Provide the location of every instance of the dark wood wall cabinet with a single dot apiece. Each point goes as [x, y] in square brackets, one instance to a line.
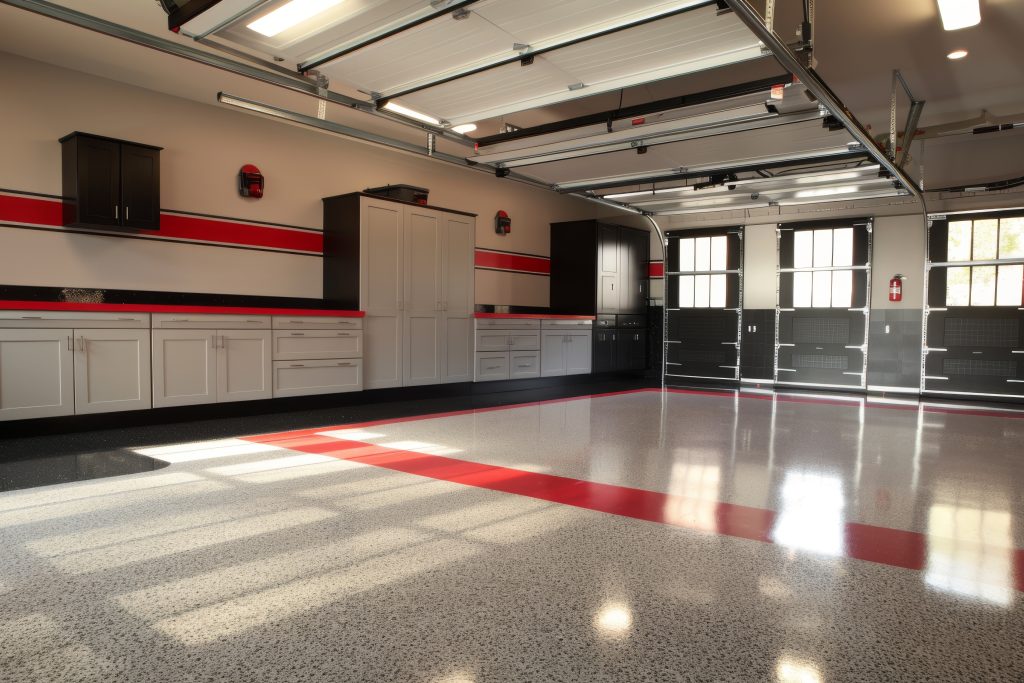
[600, 269]
[109, 183]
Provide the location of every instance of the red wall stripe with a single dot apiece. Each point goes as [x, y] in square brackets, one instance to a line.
[656, 269]
[501, 261]
[47, 213]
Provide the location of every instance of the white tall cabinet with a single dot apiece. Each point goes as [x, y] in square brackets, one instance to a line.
[415, 283]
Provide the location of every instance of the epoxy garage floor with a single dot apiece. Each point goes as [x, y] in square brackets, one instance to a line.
[636, 536]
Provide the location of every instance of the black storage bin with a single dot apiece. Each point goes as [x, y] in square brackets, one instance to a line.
[404, 193]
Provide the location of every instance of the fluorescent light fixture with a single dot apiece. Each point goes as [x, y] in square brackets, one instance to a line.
[411, 113]
[290, 14]
[624, 195]
[827, 191]
[464, 128]
[958, 14]
[815, 179]
[957, 54]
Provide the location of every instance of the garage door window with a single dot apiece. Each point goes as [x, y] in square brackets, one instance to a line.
[700, 286]
[989, 241]
[819, 279]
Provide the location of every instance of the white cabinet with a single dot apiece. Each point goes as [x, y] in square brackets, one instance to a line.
[208, 366]
[321, 356]
[112, 370]
[511, 352]
[565, 352]
[36, 373]
[97, 363]
[416, 286]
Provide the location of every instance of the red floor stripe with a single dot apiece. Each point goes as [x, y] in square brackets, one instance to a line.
[881, 545]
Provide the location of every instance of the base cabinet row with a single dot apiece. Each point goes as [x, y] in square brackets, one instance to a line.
[519, 348]
[210, 366]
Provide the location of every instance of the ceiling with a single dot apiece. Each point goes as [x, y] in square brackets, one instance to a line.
[857, 45]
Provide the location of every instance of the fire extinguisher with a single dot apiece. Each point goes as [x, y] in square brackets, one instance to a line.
[896, 288]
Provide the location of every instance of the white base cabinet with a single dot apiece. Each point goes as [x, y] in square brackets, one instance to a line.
[323, 357]
[36, 374]
[303, 378]
[112, 371]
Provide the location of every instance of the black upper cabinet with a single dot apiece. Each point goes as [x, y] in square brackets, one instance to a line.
[110, 183]
[598, 268]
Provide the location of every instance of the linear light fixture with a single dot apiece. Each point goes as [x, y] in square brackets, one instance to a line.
[411, 113]
[289, 15]
[464, 128]
[958, 14]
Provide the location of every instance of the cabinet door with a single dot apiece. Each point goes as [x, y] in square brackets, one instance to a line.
[458, 348]
[457, 274]
[491, 366]
[552, 353]
[140, 187]
[523, 364]
[243, 365]
[631, 350]
[608, 269]
[36, 374]
[99, 182]
[633, 250]
[380, 291]
[577, 353]
[184, 367]
[112, 370]
[423, 295]
[604, 351]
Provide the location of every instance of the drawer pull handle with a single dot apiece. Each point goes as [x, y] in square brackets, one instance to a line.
[253, 321]
[31, 317]
[298, 365]
[346, 365]
[298, 334]
[344, 334]
[493, 367]
[524, 365]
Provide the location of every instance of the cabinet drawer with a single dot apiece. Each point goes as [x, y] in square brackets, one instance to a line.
[567, 324]
[317, 377]
[524, 341]
[490, 366]
[210, 322]
[316, 344]
[508, 323]
[312, 322]
[75, 319]
[524, 364]
[492, 340]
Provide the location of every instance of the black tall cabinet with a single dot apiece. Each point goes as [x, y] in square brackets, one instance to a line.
[600, 269]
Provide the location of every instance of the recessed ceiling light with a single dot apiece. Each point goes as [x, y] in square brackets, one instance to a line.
[290, 14]
[958, 14]
[957, 54]
[411, 113]
[464, 128]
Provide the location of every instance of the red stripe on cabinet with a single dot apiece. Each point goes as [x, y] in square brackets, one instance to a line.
[504, 261]
[656, 269]
[36, 211]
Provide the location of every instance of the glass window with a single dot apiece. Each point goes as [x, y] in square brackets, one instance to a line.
[702, 253]
[685, 291]
[986, 240]
[802, 290]
[959, 241]
[822, 248]
[1011, 237]
[702, 291]
[686, 255]
[718, 288]
[983, 286]
[719, 246]
[842, 288]
[803, 248]
[842, 247]
[958, 287]
[1010, 286]
[821, 289]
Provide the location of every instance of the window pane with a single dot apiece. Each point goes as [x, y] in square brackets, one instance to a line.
[842, 247]
[822, 294]
[842, 288]
[718, 291]
[822, 248]
[983, 284]
[719, 245]
[1010, 291]
[801, 290]
[702, 254]
[958, 287]
[685, 291]
[803, 248]
[985, 239]
[686, 255]
[1011, 237]
[959, 241]
[702, 291]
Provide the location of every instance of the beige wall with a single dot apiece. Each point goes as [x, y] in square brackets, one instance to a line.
[760, 275]
[898, 246]
[204, 146]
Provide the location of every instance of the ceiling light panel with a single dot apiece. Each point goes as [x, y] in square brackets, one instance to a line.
[289, 15]
[958, 14]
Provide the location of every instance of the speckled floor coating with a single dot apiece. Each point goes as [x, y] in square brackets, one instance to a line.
[243, 561]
